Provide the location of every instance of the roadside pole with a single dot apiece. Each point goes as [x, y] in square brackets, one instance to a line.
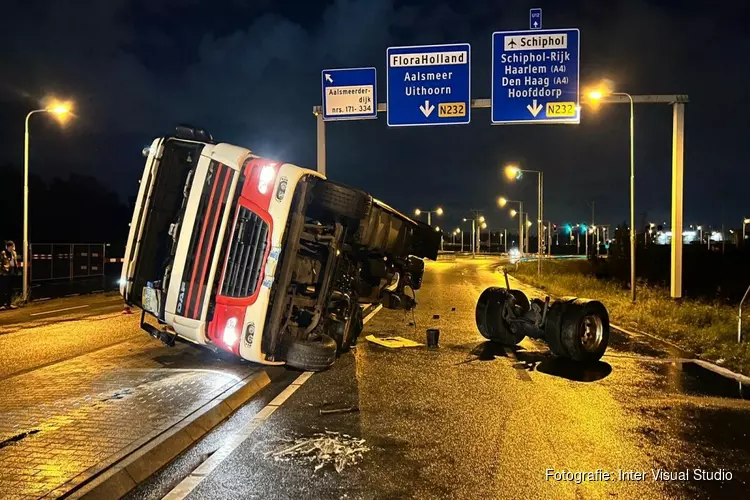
[678, 142]
[321, 142]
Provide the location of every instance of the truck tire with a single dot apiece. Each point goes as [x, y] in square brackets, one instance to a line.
[309, 355]
[342, 200]
[489, 318]
[585, 330]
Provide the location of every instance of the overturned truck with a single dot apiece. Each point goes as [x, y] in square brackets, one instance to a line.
[574, 328]
[261, 258]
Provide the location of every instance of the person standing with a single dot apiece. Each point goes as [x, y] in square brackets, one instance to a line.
[8, 271]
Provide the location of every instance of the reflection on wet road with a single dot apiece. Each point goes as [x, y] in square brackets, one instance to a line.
[471, 419]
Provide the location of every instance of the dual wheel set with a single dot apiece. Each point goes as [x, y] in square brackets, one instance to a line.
[574, 328]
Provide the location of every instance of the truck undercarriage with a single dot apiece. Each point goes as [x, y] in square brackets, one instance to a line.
[342, 249]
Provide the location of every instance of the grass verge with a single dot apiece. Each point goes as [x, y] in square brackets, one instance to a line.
[705, 328]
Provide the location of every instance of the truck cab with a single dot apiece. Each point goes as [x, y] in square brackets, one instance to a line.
[264, 259]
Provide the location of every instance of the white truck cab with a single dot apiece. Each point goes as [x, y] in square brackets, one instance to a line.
[262, 258]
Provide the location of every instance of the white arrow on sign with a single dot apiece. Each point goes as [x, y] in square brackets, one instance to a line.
[535, 109]
[427, 108]
[536, 24]
[328, 78]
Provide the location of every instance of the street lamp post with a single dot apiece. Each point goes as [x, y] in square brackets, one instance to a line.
[59, 109]
[745, 222]
[437, 211]
[513, 172]
[502, 201]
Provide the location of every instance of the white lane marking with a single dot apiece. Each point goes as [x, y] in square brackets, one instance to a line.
[231, 443]
[59, 310]
[373, 313]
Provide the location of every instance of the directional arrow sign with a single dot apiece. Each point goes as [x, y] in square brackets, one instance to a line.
[535, 76]
[535, 19]
[429, 85]
[349, 94]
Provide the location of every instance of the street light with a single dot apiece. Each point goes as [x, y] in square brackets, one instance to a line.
[596, 95]
[61, 110]
[437, 211]
[502, 201]
[514, 172]
[745, 222]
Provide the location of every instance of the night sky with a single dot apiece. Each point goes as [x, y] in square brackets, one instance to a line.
[249, 72]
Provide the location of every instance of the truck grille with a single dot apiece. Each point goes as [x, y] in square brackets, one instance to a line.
[245, 261]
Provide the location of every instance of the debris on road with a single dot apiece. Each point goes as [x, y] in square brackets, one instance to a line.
[435, 316]
[392, 342]
[433, 337]
[321, 449]
[350, 409]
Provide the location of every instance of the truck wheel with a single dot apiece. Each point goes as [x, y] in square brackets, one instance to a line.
[585, 330]
[342, 200]
[489, 312]
[309, 355]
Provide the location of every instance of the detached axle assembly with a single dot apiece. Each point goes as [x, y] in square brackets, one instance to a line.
[573, 328]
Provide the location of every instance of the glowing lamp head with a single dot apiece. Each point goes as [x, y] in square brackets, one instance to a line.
[528, 223]
[502, 201]
[513, 212]
[596, 95]
[484, 225]
[512, 172]
[439, 211]
[417, 212]
[230, 335]
[746, 221]
[481, 218]
[437, 229]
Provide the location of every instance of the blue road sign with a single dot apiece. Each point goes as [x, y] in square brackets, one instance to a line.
[535, 19]
[429, 85]
[535, 76]
[349, 94]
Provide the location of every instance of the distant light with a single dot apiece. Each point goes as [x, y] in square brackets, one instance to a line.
[502, 201]
[513, 212]
[596, 95]
[484, 225]
[746, 221]
[512, 172]
[439, 211]
[417, 212]
[122, 281]
[481, 218]
[437, 229]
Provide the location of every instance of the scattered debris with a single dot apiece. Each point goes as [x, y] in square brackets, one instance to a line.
[321, 449]
[453, 309]
[350, 409]
[433, 337]
[411, 323]
[392, 342]
[435, 316]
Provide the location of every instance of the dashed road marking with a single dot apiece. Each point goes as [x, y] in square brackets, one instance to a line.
[59, 310]
[187, 485]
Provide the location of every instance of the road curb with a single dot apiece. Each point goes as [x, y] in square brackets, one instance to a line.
[708, 365]
[118, 479]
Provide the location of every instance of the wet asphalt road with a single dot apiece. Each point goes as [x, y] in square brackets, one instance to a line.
[472, 420]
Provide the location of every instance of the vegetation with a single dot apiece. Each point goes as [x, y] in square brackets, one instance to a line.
[708, 329]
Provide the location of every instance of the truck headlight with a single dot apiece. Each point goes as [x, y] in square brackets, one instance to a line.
[267, 173]
[230, 332]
